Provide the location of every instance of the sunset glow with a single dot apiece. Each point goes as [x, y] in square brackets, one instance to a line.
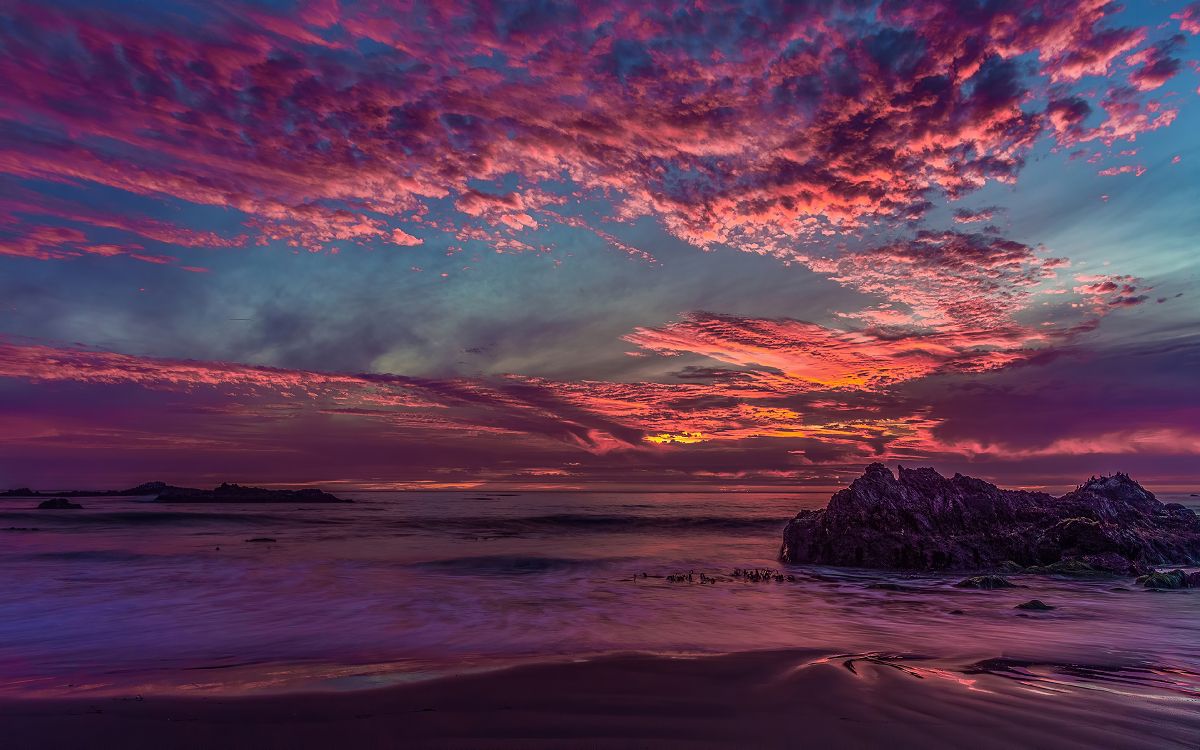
[452, 244]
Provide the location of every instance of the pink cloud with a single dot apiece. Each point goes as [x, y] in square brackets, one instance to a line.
[401, 237]
[1189, 18]
[755, 138]
[60, 243]
[968, 216]
[1157, 64]
[1111, 290]
[1137, 170]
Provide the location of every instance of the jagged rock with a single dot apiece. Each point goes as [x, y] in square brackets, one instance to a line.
[1174, 579]
[148, 488]
[986, 582]
[59, 503]
[1035, 605]
[922, 520]
[1077, 568]
[236, 493]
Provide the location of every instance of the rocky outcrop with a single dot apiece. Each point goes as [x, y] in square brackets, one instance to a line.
[142, 490]
[166, 493]
[1034, 605]
[236, 493]
[59, 503]
[1173, 579]
[986, 582]
[920, 520]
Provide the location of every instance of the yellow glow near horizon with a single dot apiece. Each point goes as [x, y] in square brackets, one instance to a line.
[679, 437]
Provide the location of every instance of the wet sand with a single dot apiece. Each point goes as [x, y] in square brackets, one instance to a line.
[761, 699]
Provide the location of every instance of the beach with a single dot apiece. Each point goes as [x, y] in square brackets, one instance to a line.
[761, 699]
[549, 620]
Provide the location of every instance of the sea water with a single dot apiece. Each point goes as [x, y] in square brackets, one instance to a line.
[127, 595]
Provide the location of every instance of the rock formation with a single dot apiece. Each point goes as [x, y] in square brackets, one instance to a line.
[921, 520]
[166, 493]
[1174, 579]
[142, 490]
[236, 493]
[59, 503]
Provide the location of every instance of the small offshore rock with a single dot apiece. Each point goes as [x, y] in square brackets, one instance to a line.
[59, 503]
[1035, 605]
[1175, 579]
[261, 539]
[986, 582]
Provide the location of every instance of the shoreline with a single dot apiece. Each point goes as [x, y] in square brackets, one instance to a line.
[792, 698]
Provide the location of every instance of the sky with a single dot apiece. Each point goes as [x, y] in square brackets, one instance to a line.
[372, 244]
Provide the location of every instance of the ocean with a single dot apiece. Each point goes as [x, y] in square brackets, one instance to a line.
[127, 596]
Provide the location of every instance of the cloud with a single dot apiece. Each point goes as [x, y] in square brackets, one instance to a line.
[462, 406]
[809, 355]
[970, 216]
[1158, 64]
[949, 281]
[1189, 18]
[401, 237]
[1137, 170]
[1111, 290]
[1133, 400]
[754, 126]
[774, 128]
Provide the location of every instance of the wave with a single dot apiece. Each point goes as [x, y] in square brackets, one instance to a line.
[470, 527]
[511, 564]
[116, 556]
[44, 519]
[584, 523]
[1159, 677]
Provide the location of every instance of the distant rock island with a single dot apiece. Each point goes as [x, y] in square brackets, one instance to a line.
[921, 520]
[235, 493]
[165, 493]
[59, 503]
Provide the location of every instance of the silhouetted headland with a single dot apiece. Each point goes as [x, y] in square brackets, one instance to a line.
[921, 520]
[165, 493]
[59, 503]
[235, 493]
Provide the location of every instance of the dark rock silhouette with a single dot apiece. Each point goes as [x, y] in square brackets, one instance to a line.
[236, 493]
[166, 493]
[59, 503]
[924, 521]
[986, 582]
[1035, 605]
[147, 488]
